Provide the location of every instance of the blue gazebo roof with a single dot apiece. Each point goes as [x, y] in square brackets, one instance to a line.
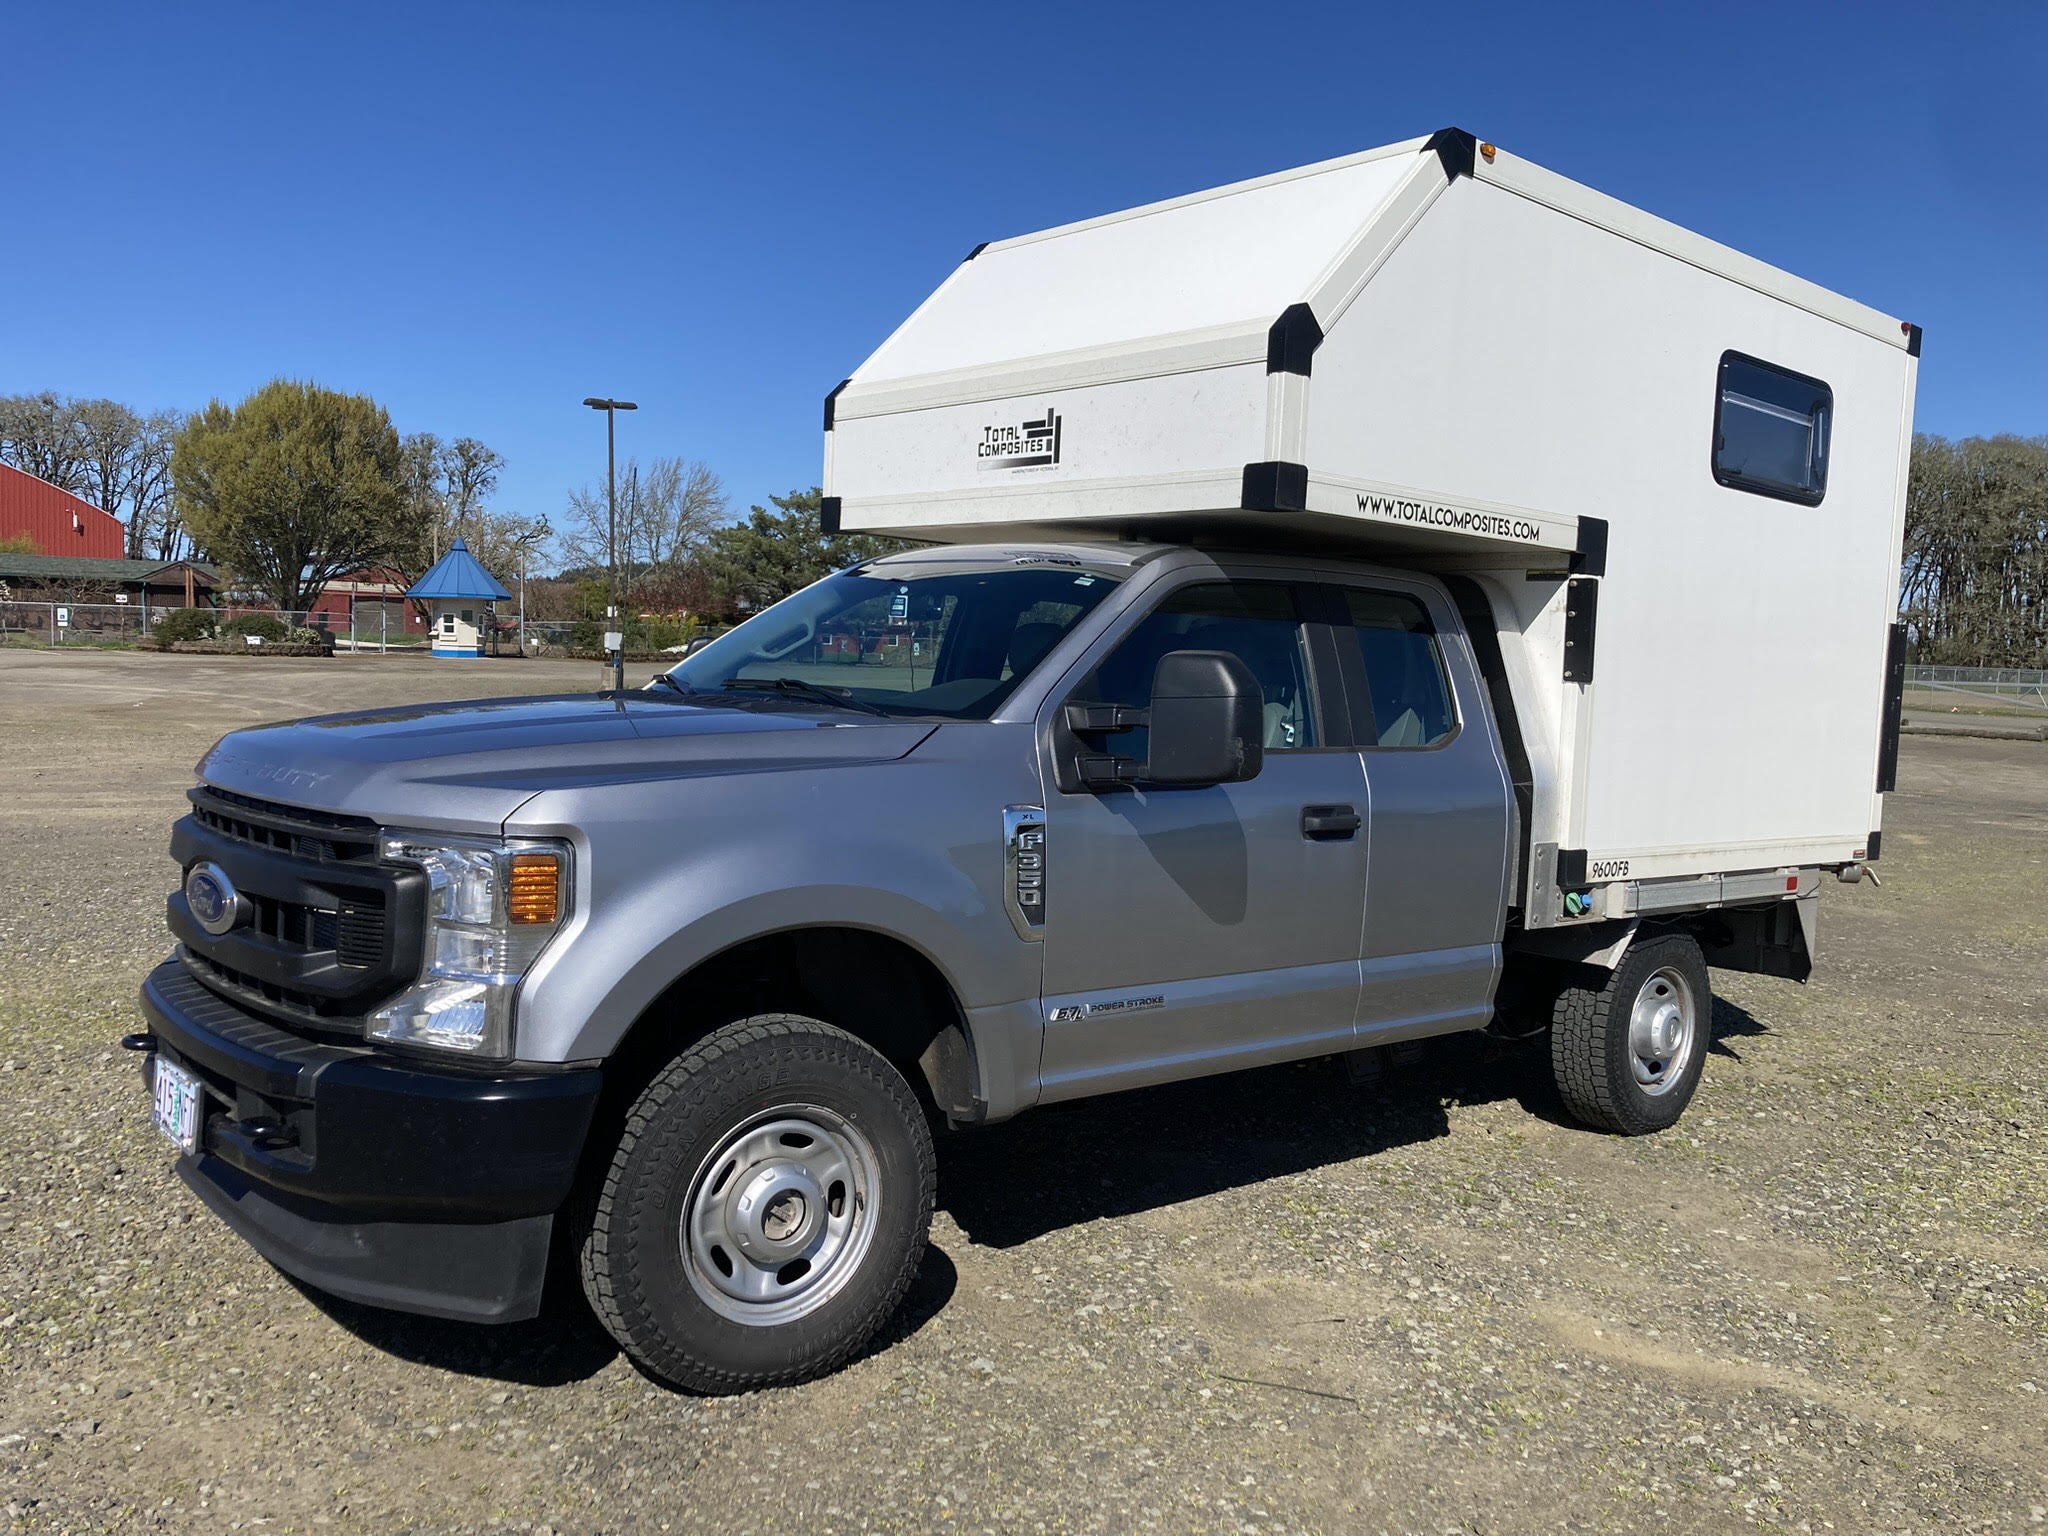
[457, 576]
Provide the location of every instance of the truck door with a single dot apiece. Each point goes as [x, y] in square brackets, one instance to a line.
[1205, 929]
[1439, 825]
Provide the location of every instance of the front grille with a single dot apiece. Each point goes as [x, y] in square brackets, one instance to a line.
[323, 836]
[353, 929]
[331, 931]
[252, 989]
[355, 933]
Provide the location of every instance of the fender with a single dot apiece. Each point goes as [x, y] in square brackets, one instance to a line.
[908, 849]
[613, 989]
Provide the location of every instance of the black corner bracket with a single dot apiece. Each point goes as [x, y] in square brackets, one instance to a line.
[1571, 868]
[1291, 343]
[1892, 715]
[1581, 628]
[1912, 339]
[829, 399]
[1457, 149]
[1275, 486]
[1871, 847]
[977, 251]
[828, 516]
[1590, 559]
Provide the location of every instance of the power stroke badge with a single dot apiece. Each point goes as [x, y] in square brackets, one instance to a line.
[1031, 444]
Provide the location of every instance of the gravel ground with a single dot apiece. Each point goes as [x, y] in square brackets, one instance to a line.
[1273, 1303]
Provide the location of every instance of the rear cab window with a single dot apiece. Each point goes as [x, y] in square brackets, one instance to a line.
[1404, 671]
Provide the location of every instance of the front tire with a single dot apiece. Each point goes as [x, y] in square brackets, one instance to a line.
[766, 1208]
[1628, 1050]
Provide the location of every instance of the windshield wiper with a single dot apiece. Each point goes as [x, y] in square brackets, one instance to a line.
[666, 677]
[797, 686]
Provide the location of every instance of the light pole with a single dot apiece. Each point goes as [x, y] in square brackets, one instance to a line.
[531, 536]
[611, 408]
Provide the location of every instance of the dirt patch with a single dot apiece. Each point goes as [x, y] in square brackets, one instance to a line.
[1274, 1303]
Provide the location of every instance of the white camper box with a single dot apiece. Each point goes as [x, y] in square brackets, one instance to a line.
[1438, 356]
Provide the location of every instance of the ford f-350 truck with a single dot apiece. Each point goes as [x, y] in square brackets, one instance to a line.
[1409, 595]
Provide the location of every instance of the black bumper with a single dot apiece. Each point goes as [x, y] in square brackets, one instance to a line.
[381, 1179]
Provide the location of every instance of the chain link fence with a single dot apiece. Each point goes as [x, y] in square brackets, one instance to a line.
[370, 627]
[2024, 687]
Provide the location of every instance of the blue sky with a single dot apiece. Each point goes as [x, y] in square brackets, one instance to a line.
[480, 215]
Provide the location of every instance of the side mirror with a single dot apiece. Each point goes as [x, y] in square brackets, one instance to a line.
[1208, 721]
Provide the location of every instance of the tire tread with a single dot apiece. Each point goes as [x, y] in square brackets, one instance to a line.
[1584, 1057]
[609, 1244]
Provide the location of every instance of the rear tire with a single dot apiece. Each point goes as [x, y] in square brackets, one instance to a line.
[1628, 1049]
[766, 1208]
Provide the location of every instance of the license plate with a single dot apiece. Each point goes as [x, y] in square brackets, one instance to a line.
[180, 1105]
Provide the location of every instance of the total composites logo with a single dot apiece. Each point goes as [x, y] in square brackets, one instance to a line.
[1491, 525]
[1021, 445]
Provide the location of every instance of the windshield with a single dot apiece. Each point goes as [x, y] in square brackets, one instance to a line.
[950, 639]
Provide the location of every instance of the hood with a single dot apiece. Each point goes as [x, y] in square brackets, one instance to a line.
[468, 766]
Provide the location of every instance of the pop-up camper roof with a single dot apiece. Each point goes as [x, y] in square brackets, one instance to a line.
[1385, 347]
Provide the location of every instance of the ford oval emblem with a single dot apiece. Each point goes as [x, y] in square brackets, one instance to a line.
[210, 895]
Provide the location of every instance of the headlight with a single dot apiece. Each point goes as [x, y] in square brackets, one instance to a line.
[491, 909]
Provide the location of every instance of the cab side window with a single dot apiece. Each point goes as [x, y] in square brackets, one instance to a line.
[1404, 670]
[1258, 622]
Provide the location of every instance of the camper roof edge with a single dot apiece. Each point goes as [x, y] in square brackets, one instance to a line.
[1458, 153]
[1231, 189]
[1511, 173]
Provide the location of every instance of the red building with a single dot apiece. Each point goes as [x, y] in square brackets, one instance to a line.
[373, 598]
[56, 522]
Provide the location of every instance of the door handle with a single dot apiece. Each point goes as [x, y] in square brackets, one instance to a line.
[1328, 823]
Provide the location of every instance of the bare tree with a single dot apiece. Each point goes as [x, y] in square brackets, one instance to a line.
[675, 506]
[1974, 588]
[446, 487]
[106, 432]
[152, 508]
[584, 539]
[469, 474]
[40, 435]
[104, 452]
[426, 501]
[502, 541]
[666, 511]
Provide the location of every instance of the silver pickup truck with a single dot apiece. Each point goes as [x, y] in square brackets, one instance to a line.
[672, 986]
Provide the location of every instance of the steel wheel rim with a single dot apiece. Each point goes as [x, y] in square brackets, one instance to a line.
[780, 1215]
[1663, 1030]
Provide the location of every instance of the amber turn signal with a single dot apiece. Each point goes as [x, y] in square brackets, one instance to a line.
[535, 894]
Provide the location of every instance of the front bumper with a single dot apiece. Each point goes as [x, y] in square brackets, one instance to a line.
[380, 1178]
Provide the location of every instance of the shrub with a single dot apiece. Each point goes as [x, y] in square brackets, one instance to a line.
[183, 624]
[270, 631]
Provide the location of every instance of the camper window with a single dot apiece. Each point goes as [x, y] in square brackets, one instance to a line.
[1771, 430]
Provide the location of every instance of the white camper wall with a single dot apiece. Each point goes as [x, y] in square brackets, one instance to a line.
[1510, 352]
